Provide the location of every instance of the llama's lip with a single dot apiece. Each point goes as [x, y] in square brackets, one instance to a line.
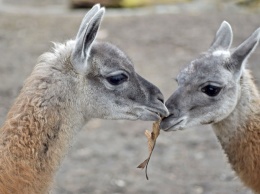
[158, 112]
[153, 114]
[170, 123]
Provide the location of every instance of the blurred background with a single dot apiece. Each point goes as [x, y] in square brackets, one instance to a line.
[160, 36]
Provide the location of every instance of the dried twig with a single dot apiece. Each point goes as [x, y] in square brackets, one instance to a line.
[151, 136]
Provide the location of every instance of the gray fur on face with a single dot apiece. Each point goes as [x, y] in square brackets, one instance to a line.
[219, 68]
[93, 64]
[131, 99]
[81, 70]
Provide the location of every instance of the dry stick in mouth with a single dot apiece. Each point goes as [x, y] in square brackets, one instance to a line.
[151, 136]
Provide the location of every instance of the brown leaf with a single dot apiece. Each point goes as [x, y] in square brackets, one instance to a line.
[151, 136]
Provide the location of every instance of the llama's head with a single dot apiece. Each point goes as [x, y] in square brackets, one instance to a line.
[209, 87]
[108, 86]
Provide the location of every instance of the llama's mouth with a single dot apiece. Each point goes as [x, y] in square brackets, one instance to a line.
[160, 113]
[151, 113]
[171, 123]
[154, 115]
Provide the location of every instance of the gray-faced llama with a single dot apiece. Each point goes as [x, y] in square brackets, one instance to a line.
[217, 89]
[79, 80]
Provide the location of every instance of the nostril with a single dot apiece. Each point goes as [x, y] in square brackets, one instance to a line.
[171, 115]
[160, 98]
[174, 113]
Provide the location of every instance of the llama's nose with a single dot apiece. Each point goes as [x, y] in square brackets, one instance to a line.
[160, 97]
[175, 112]
[163, 110]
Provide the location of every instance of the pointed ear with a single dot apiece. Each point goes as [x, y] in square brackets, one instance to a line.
[86, 18]
[240, 55]
[85, 38]
[223, 38]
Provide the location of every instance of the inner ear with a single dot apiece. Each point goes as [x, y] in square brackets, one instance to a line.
[84, 41]
[244, 50]
[223, 38]
[90, 35]
[87, 18]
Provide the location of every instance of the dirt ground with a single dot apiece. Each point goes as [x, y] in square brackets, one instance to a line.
[160, 41]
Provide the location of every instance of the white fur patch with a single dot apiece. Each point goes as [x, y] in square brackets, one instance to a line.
[221, 52]
[190, 69]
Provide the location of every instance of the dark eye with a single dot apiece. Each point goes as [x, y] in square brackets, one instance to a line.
[211, 90]
[117, 79]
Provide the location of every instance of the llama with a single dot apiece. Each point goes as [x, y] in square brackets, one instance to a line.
[217, 89]
[79, 80]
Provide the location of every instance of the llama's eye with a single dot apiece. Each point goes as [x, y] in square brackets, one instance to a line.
[211, 90]
[117, 79]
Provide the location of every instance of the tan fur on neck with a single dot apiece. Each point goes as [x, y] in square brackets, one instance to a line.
[239, 134]
[243, 152]
[36, 132]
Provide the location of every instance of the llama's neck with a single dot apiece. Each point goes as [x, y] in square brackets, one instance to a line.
[239, 134]
[37, 132]
[34, 139]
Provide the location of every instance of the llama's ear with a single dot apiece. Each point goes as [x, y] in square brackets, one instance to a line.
[87, 18]
[85, 38]
[223, 38]
[240, 55]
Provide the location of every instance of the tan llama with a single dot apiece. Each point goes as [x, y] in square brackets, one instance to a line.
[79, 80]
[217, 89]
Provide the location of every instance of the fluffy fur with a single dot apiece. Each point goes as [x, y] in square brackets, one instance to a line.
[239, 134]
[35, 133]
